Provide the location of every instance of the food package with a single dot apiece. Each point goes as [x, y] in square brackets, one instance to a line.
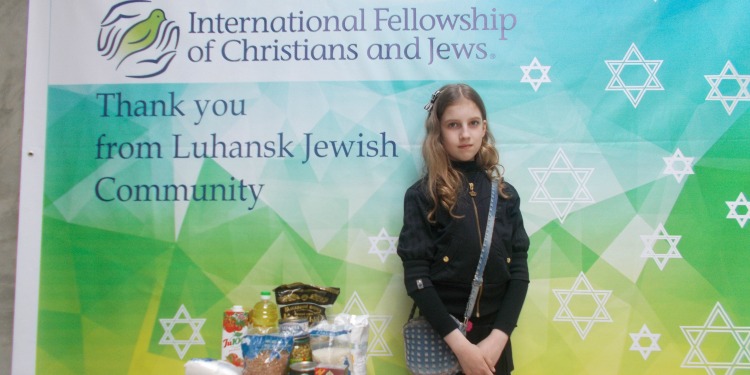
[359, 332]
[234, 327]
[200, 366]
[298, 300]
[266, 354]
[342, 342]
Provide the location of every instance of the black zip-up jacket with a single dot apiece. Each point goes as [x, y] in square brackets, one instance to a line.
[440, 258]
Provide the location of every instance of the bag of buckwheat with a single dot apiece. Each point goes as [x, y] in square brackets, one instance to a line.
[266, 354]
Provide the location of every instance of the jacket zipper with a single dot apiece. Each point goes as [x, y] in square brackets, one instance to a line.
[473, 194]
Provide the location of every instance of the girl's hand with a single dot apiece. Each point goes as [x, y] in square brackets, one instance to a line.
[492, 346]
[470, 356]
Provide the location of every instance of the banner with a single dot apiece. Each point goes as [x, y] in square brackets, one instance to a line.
[182, 157]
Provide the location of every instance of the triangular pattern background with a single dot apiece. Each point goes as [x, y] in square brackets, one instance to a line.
[627, 140]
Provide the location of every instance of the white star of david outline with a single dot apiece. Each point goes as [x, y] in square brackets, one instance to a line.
[652, 347]
[382, 236]
[376, 346]
[678, 157]
[729, 102]
[718, 322]
[740, 201]
[650, 240]
[535, 82]
[182, 317]
[617, 84]
[582, 324]
[560, 164]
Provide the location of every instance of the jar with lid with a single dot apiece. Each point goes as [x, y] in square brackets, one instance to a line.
[301, 351]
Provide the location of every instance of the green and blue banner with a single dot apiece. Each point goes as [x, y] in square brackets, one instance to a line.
[181, 157]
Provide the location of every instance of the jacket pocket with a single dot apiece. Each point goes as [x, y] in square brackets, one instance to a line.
[447, 258]
[499, 259]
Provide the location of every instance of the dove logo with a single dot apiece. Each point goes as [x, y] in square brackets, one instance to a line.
[140, 41]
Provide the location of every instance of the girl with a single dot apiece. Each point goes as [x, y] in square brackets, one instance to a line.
[445, 215]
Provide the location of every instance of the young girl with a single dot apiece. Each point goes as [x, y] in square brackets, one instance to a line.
[445, 216]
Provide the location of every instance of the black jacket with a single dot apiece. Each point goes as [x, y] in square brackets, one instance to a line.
[440, 258]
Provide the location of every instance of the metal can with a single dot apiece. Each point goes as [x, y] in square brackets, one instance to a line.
[293, 325]
[302, 368]
[301, 349]
[331, 369]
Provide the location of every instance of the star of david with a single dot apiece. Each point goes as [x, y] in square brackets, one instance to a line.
[645, 333]
[375, 249]
[376, 346]
[582, 288]
[535, 82]
[650, 240]
[741, 201]
[728, 101]
[718, 323]
[634, 92]
[679, 158]
[561, 165]
[182, 317]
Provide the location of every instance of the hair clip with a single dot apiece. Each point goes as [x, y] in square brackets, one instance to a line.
[428, 106]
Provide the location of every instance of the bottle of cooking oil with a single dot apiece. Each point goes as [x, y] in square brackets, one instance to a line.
[265, 315]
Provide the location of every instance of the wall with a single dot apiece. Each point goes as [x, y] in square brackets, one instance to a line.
[13, 15]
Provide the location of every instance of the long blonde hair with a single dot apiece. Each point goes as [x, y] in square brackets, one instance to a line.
[443, 181]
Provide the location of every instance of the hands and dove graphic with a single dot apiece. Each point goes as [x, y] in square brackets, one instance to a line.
[142, 47]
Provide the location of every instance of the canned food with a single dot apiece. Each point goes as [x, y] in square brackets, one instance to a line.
[302, 368]
[301, 351]
[331, 369]
[293, 325]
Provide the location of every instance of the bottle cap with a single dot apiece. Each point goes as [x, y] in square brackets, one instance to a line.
[265, 295]
[237, 308]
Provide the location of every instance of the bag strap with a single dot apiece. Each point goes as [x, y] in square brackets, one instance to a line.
[413, 310]
[479, 274]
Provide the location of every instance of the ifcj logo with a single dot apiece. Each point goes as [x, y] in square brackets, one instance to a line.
[140, 40]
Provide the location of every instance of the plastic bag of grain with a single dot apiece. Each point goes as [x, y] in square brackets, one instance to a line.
[266, 354]
[359, 331]
[330, 344]
[342, 342]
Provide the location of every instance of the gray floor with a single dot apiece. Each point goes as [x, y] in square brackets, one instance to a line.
[13, 16]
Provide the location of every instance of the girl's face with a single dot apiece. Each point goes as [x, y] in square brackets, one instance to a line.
[462, 129]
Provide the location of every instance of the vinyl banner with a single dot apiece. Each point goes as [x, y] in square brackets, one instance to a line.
[180, 157]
